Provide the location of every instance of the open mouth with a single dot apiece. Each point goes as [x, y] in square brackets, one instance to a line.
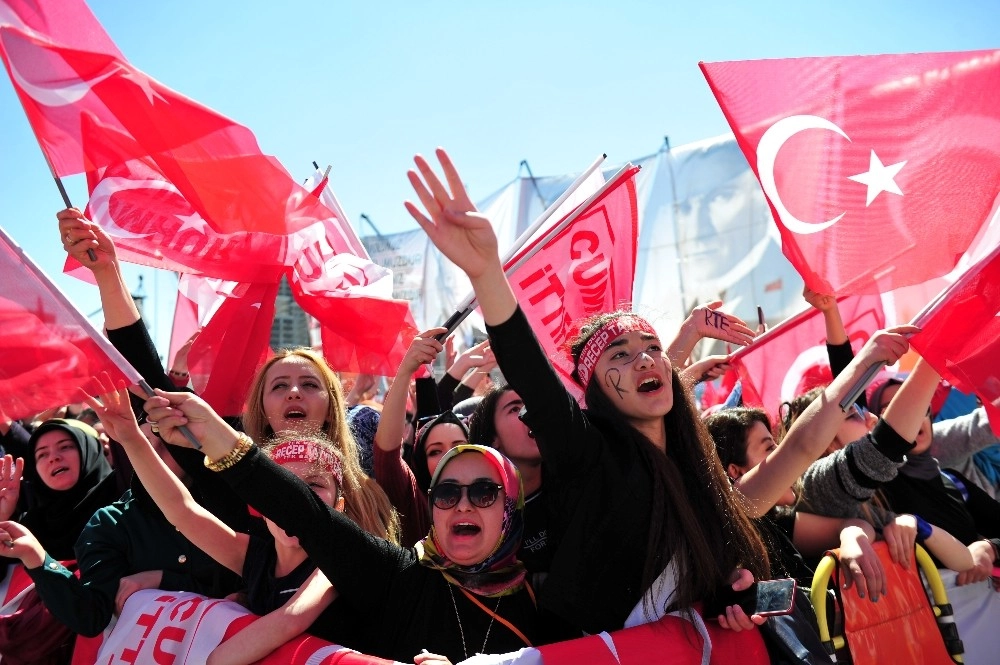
[295, 414]
[58, 472]
[465, 529]
[649, 385]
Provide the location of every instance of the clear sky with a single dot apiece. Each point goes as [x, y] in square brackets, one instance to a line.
[365, 85]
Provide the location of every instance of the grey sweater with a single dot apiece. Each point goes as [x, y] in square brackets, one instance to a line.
[840, 484]
[958, 439]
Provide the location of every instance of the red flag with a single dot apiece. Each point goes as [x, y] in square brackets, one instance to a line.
[364, 329]
[587, 268]
[791, 358]
[233, 345]
[175, 183]
[879, 170]
[48, 349]
[960, 334]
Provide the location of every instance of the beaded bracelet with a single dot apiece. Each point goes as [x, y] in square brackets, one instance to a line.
[243, 445]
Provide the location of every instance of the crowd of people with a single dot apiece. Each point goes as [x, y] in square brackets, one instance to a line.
[470, 516]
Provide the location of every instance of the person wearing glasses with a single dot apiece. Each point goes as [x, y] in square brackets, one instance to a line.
[458, 592]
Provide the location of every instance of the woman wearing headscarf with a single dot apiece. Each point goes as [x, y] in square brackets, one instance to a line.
[71, 479]
[458, 592]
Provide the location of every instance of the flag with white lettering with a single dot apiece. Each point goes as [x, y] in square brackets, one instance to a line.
[587, 268]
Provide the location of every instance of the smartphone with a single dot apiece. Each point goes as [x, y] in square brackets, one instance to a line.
[766, 598]
[774, 597]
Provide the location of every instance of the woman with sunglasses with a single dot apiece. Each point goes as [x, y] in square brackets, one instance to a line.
[458, 592]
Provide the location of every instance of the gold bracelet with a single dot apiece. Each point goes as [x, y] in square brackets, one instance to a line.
[243, 445]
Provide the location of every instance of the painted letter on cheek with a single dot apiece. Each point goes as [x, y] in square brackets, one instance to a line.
[613, 378]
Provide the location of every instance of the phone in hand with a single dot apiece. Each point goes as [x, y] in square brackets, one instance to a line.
[766, 598]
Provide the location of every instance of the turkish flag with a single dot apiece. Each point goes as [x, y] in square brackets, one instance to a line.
[879, 170]
[48, 349]
[177, 185]
[960, 334]
[587, 268]
[791, 358]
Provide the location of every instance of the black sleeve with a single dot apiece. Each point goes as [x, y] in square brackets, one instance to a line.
[133, 342]
[567, 440]
[985, 510]
[360, 566]
[15, 441]
[446, 391]
[427, 400]
[840, 356]
[888, 442]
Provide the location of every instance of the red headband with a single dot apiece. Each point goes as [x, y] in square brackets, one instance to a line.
[308, 451]
[600, 340]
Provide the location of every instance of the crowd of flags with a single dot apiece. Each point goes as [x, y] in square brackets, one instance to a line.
[881, 172]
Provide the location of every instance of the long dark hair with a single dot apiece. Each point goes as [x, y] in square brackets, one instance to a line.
[696, 519]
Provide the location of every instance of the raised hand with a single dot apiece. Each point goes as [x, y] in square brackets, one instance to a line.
[172, 410]
[452, 222]
[79, 235]
[710, 322]
[824, 302]
[708, 368]
[887, 346]
[423, 349]
[11, 472]
[114, 410]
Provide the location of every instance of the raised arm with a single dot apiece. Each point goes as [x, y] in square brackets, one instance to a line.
[463, 235]
[707, 321]
[202, 528]
[815, 428]
[79, 235]
[423, 349]
[909, 406]
[358, 564]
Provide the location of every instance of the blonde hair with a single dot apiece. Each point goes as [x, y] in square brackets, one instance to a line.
[366, 503]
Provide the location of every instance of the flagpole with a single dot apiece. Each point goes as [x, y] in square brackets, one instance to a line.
[62, 192]
[468, 304]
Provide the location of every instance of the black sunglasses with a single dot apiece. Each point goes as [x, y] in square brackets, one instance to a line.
[481, 493]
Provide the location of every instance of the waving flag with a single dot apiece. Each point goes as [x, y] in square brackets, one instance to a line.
[48, 349]
[791, 357]
[177, 185]
[960, 334]
[587, 268]
[364, 329]
[879, 170]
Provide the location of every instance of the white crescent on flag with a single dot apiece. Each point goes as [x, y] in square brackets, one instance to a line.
[767, 152]
[878, 178]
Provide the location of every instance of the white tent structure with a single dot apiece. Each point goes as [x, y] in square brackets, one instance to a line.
[705, 233]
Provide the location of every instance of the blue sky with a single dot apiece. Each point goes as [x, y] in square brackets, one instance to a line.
[363, 86]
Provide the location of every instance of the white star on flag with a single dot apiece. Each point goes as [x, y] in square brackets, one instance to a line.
[879, 178]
